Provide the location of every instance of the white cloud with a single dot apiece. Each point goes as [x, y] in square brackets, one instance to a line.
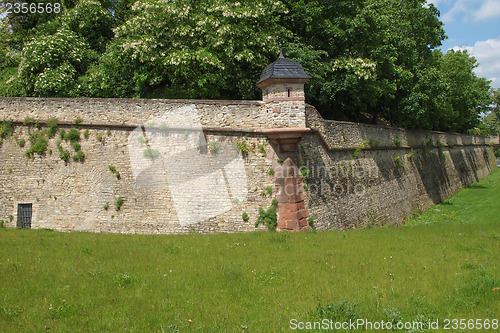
[489, 9]
[457, 8]
[487, 54]
[466, 10]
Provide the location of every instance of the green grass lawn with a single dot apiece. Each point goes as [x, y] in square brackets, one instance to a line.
[443, 264]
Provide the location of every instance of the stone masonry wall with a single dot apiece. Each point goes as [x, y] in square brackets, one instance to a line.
[74, 197]
[253, 115]
[357, 174]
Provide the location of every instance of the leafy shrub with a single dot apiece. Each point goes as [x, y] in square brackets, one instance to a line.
[269, 190]
[64, 155]
[86, 134]
[245, 216]
[21, 143]
[141, 139]
[39, 144]
[305, 172]
[214, 146]
[98, 136]
[271, 172]
[6, 129]
[267, 217]
[28, 121]
[62, 134]
[358, 149]
[78, 121]
[310, 221]
[262, 150]
[119, 203]
[1, 224]
[151, 153]
[396, 141]
[117, 175]
[73, 135]
[497, 152]
[397, 160]
[112, 168]
[52, 127]
[243, 147]
[106, 206]
[79, 156]
[76, 146]
[410, 154]
[280, 160]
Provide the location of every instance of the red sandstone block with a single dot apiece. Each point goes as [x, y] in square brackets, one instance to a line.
[282, 197]
[303, 222]
[286, 215]
[303, 213]
[280, 182]
[281, 224]
[291, 181]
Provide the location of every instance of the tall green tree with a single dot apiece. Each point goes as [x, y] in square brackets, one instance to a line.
[492, 119]
[187, 49]
[468, 94]
[51, 65]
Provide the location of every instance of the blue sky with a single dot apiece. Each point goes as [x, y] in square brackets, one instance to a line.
[474, 25]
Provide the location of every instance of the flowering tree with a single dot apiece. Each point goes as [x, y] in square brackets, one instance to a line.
[186, 49]
[51, 64]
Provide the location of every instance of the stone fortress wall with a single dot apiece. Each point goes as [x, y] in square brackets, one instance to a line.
[354, 174]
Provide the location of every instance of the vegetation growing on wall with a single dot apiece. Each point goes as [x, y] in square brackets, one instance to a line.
[268, 217]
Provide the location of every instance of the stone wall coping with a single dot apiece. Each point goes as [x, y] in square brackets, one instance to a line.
[401, 129]
[136, 100]
[325, 145]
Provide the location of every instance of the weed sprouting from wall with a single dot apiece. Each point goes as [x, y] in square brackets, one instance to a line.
[358, 149]
[267, 217]
[119, 203]
[243, 147]
[151, 153]
[398, 161]
[79, 156]
[245, 217]
[262, 150]
[396, 142]
[73, 135]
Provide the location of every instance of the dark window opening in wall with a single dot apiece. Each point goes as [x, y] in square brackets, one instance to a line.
[288, 92]
[24, 212]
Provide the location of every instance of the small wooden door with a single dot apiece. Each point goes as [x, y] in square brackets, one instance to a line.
[24, 212]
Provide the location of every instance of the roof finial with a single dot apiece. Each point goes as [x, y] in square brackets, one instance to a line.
[281, 49]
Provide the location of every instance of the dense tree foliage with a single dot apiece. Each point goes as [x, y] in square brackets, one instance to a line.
[491, 120]
[371, 60]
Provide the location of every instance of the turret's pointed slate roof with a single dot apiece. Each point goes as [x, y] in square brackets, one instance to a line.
[283, 68]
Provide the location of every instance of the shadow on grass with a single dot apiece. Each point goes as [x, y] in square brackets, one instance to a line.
[475, 186]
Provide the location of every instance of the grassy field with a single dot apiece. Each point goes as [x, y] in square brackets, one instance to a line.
[444, 264]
